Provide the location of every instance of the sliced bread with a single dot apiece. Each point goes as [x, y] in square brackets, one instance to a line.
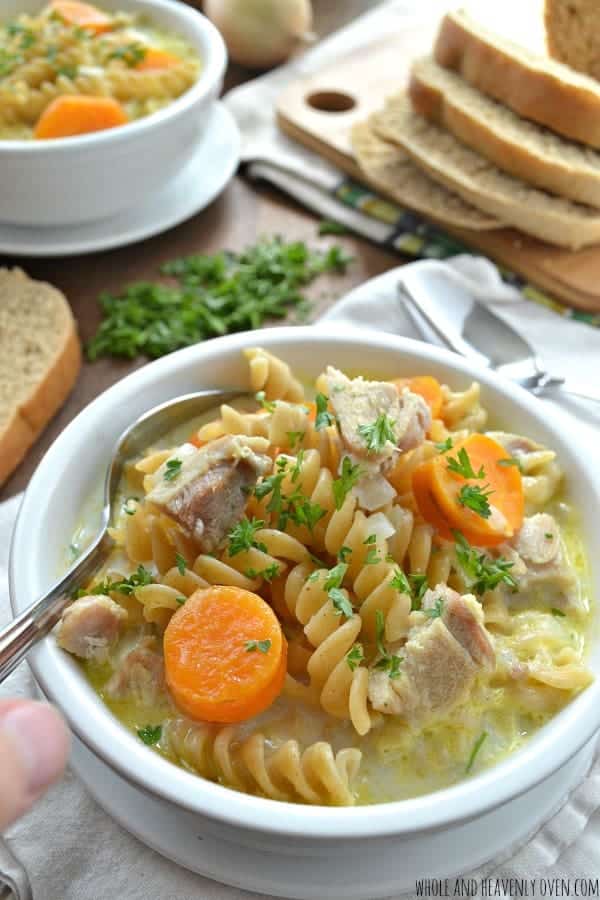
[534, 86]
[524, 149]
[40, 358]
[573, 33]
[479, 182]
[391, 171]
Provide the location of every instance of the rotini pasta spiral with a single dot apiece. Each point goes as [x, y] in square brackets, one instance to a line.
[315, 775]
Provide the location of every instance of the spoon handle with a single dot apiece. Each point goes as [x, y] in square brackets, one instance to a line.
[572, 386]
[35, 622]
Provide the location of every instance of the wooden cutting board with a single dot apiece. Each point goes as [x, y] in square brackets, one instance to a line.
[320, 110]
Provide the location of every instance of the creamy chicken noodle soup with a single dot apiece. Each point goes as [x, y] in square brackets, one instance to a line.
[74, 68]
[355, 593]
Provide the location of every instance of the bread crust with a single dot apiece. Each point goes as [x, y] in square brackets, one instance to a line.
[567, 105]
[557, 177]
[459, 168]
[31, 417]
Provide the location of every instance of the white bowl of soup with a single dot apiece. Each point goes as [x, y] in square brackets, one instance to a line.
[442, 661]
[99, 105]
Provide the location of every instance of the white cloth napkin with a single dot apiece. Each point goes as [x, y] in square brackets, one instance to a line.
[74, 851]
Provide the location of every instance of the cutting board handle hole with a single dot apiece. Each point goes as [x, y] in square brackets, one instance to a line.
[331, 101]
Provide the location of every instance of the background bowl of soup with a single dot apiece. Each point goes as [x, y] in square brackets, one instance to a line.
[435, 834]
[88, 177]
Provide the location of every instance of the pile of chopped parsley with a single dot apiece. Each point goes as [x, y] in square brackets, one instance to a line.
[211, 296]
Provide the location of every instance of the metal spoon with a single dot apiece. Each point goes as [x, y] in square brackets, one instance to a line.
[37, 620]
[488, 339]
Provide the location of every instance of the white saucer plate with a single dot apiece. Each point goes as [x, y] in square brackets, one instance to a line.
[192, 190]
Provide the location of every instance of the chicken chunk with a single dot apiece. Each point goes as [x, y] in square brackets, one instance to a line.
[90, 627]
[440, 660]
[357, 402]
[140, 675]
[207, 494]
[542, 566]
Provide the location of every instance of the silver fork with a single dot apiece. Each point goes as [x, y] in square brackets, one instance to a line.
[488, 339]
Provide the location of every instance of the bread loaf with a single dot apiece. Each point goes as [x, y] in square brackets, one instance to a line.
[533, 86]
[515, 145]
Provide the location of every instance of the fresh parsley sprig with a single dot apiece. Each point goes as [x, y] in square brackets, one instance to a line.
[150, 734]
[261, 646]
[461, 464]
[125, 586]
[323, 417]
[213, 295]
[243, 536]
[483, 572]
[342, 486]
[378, 433]
[388, 662]
[475, 498]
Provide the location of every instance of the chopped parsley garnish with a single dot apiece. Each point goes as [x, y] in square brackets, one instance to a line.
[344, 553]
[436, 611]
[180, 600]
[128, 509]
[268, 405]
[348, 478]
[327, 226]
[13, 29]
[444, 446]
[296, 506]
[371, 539]
[333, 588]
[461, 464]
[150, 734]
[323, 417]
[336, 576]
[126, 586]
[173, 468]
[389, 662]
[68, 71]
[297, 467]
[511, 461]
[8, 62]
[130, 54]
[400, 582]
[341, 604]
[355, 656]
[268, 574]
[378, 433]
[549, 535]
[372, 557]
[476, 748]
[483, 572]
[261, 646]
[475, 498]
[180, 563]
[213, 295]
[242, 536]
[418, 583]
[295, 437]
[557, 612]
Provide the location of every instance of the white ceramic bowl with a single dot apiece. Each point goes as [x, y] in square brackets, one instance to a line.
[83, 179]
[72, 470]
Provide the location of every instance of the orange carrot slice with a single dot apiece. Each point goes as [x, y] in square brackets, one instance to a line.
[437, 491]
[427, 387]
[157, 59]
[70, 115]
[225, 655]
[82, 15]
[195, 440]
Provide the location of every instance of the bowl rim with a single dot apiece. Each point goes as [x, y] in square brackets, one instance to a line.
[214, 64]
[552, 746]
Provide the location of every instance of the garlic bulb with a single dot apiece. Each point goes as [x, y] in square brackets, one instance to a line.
[261, 33]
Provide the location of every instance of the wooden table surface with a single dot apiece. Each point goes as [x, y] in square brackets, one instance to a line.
[242, 213]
